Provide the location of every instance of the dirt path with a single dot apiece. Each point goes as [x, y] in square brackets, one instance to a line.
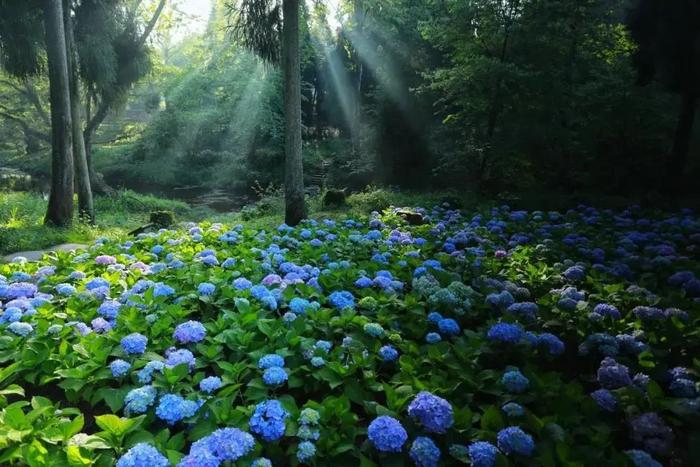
[38, 254]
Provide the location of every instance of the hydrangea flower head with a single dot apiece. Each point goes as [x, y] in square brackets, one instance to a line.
[341, 300]
[434, 413]
[605, 399]
[138, 400]
[388, 353]
[513, 440]
[210, 384]
[189, 332]
[424, 452]
[119, 368]
[515, 382]
[387, 434]
[268, 420]
[482, 454]
[173, 408]
[142, 455]
[180, 357]
[230, 444]
[134, 344]
[306, 451]
[270, 361]
[505, 332]
[275, 376]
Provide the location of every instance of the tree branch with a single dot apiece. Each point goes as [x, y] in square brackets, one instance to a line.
[151, 24]
[26, 128]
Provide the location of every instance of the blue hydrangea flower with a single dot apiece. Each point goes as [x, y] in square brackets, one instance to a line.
[363, 282]
[138, 400]
[11, 314]
[270, 361]
[228, 444]
[513, 409]
[424, 452]
[515, 382]
[374, 329]
[65, 289]
[604, 309]
[162, 290]
[605, 400]
[275, 376]
[306, 451]
[189, 332]
[299, 306]
[448, 327]
[318, 362]
[387, 434]
[242, 283]
[210, 384]
[145, 374]
[199, 457]
[206, 288]
[552, 343]
[526, 309]
[20, 329]
[341, 300]
[642, 458]
[613, 375]
[134, 344]
[143, 455]
[433, 412]
[505, 332]
[306, 433]
[261, 462]
[434, 317]
[119, 368]
[268, 420]
[180, 357]
[433, 338]
[173, 408]
[324, 346]
[388, 353]
[513, 440]
[482, 454]
[101, 325]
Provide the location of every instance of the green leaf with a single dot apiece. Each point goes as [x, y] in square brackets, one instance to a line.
[118, 426]
[492, 420]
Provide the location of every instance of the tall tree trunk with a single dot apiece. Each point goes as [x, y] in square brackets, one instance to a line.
[60, 210]
[82, 174]
[681, 142]
[96, 181]
[295, 208]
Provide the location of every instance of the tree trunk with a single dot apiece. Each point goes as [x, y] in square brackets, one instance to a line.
[681, 142]
[82, 175]
[96, 181]
[60, 209]
[295, 208]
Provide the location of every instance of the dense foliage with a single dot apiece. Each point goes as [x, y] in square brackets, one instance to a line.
[494, 95]
[502, 337]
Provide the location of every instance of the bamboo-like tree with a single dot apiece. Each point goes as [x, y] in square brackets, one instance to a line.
[270, 28]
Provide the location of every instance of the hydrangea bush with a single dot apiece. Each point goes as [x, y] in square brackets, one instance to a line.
[487, 338]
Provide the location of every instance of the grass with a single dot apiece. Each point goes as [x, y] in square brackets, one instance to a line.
[22, 215]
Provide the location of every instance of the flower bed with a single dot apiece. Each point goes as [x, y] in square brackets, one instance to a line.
[498, 338]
